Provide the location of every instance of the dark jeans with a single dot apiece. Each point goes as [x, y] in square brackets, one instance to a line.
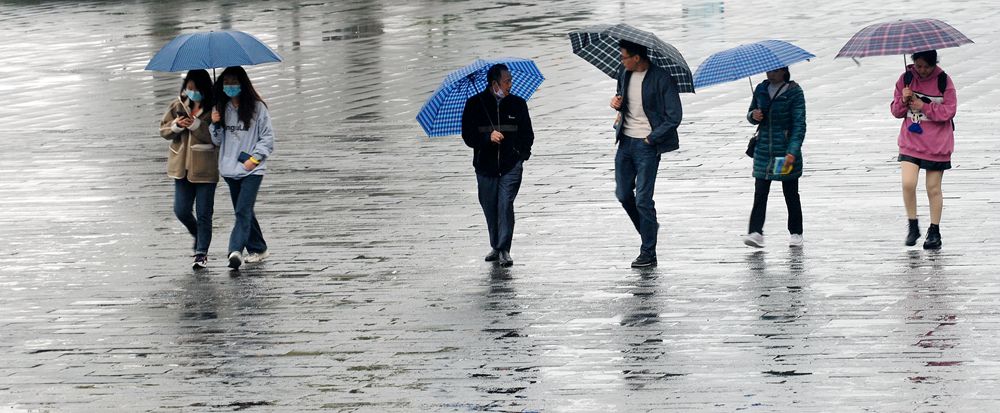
[636, 164]
[186, 194]
[791, 190]
[246, 230]
[496, 195]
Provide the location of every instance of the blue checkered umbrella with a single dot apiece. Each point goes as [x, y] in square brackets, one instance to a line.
[748, 60]
[442, 113]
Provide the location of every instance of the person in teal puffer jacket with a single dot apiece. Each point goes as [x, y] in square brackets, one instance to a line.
[779, 110]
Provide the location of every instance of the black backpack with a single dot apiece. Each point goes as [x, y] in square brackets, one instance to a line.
[942, 85]
[942, 81]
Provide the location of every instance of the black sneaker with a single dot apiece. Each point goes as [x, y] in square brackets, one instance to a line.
[643, 261]
[914, 233]
[933, 241]
[235, 260]
[200, 261]
[505, 259]
[493, 255]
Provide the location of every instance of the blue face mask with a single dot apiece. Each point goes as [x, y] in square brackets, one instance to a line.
[231, 90]
[194, 95]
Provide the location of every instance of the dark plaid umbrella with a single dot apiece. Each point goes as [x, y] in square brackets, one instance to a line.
[902, 37]
[599, 46]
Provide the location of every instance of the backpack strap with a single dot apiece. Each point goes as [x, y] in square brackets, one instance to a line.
[942, 80]
[942, 85]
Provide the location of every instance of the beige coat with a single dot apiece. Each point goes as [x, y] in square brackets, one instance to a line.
[192, 154]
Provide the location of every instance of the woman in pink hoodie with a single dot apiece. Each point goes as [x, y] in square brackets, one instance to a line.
[925, 100]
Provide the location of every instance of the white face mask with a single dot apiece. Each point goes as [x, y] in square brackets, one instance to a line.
[499, 92]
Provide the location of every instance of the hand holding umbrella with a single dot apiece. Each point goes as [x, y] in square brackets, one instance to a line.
[496, 137]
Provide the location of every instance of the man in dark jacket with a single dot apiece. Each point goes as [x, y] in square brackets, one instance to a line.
[649, 112]
[495, 124]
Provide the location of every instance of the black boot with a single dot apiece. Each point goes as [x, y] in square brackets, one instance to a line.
[933, 241]
[914, 234]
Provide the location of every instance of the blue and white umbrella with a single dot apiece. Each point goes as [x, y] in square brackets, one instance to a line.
[441, 115]
[210, 50]
[748, 60]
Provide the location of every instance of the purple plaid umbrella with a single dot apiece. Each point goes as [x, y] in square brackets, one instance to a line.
[903, 37]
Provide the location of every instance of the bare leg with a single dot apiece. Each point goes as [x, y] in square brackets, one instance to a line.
[910, 172]
[934, 195]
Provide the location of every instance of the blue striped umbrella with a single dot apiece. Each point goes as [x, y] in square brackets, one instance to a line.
[748, 60]
[211, 50]
[441, 115]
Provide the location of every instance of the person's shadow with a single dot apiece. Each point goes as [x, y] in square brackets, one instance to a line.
[932, 323]
[641, 331]
[505, 367]
[779, 298]
[213, 325]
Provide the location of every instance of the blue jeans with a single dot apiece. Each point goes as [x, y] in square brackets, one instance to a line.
[636, 164]
[246, 230]
[186, 194]
[496, 195]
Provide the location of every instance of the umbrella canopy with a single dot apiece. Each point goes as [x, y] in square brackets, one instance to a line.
[748, 60]
[903, 37]
[441, 115]
[211, 50]
[599, 46]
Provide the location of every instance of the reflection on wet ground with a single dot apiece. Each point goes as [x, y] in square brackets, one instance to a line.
[376, 297]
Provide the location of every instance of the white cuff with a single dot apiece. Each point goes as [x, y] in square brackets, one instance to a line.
[176, 129]
[195, 123]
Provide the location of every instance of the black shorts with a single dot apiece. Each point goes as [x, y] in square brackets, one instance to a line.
[924, 164]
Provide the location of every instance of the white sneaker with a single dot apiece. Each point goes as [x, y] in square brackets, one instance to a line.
[754, 239]
[795, 240]
[235, 260]
[256, 257]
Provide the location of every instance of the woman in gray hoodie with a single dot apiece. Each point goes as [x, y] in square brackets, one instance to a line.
[241, 127]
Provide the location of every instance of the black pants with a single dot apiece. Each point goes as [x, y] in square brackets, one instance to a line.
[496, 196]
[791, 191]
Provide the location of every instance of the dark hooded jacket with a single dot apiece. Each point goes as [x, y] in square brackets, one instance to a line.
[482, 114]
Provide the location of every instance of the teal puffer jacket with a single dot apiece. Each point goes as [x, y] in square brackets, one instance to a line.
[781, 132]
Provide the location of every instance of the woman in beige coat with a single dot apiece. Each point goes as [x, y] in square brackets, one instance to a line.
[192, 160]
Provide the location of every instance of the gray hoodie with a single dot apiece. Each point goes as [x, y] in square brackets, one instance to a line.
[257, 139]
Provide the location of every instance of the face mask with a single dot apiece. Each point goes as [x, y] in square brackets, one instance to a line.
[231, 90]
[194, 95]
[499, 92]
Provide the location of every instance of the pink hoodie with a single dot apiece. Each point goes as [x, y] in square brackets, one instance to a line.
[938, 140]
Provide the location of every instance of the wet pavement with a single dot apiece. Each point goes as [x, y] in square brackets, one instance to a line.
[376, 298]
